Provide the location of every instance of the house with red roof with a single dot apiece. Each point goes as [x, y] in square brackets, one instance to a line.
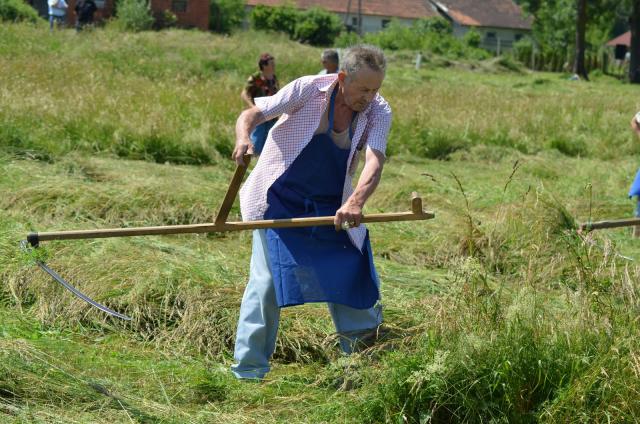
[499, 22]
[621, 45]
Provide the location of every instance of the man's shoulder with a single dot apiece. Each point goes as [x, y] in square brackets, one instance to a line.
[380, 106]
[319, 81]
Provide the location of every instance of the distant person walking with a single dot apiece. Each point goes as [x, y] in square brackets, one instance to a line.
[635, 186]
[57, 13]
[330, 62]
[84, 13]
[261, 84]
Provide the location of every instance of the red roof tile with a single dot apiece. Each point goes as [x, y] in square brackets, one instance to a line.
[624, 39]
[408, 9]
[485, 13]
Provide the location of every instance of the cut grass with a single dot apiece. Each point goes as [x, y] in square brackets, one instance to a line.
[496, 310]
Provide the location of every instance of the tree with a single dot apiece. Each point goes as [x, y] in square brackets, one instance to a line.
[634, 61]
[225, 15]
[317, 27]
[134, 15]
[579, 67]
[280, 18]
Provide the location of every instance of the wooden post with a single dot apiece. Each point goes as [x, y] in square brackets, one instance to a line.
[533, 57]
[416, 203]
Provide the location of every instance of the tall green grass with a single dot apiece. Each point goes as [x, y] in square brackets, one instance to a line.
[496, 311]
[172, 97]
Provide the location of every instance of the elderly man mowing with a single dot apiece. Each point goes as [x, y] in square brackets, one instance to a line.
[305, 170]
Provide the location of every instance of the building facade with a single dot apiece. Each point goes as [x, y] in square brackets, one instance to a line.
[500, 23]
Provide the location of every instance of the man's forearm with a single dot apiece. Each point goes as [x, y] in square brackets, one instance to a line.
[369, 179]
[247, 122]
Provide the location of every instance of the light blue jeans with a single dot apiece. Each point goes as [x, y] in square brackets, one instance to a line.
[260, 316]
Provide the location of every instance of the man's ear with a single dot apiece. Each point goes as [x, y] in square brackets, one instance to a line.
[341, 76]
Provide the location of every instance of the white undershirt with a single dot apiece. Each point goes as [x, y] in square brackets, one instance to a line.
[341, 139]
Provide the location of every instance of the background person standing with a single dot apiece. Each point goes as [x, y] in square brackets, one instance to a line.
[57, 12]
[330, 62]
[84, 13]
[261, 84]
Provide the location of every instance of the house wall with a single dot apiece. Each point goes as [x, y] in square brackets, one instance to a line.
[190, 13]
[371, 23]
[503, 37]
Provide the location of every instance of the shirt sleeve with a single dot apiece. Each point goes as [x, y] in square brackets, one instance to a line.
[288, 100]
[378, 126]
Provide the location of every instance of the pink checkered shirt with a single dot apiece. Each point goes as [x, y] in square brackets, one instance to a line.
[300, 105]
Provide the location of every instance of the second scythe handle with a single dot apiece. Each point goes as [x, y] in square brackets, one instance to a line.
[232, 191]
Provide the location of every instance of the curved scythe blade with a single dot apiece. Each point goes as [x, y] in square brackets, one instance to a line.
[73, 290]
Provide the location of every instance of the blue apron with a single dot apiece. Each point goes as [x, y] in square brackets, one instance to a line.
[634, 190]
[317, 264]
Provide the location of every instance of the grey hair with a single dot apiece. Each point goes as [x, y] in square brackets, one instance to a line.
[330, 55]
[364, 55]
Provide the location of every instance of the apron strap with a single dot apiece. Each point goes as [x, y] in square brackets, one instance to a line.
[331, 104]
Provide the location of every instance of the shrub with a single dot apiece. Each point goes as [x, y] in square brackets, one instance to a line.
[17, 11]
[434, 25]
[314, 26]
[397, 36]
[522, 50]
[280, 18]
[318, 27]
[347, 39]
[134, 15]
[165, 19]
[473, 38]
[225, 15]
[432, 35]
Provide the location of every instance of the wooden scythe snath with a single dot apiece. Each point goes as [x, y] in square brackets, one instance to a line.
[612, 223]
[219, 225]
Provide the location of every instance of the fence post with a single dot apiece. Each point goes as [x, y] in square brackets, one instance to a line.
[533, 58]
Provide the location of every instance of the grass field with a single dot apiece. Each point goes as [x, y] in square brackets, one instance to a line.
[497, 310]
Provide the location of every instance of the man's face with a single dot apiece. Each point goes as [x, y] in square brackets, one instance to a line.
[359, 89]
[330, 66]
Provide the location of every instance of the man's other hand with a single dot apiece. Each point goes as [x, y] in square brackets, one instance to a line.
[348, 216]
[243, 147]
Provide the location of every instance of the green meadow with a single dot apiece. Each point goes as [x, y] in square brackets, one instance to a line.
[497, 310]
